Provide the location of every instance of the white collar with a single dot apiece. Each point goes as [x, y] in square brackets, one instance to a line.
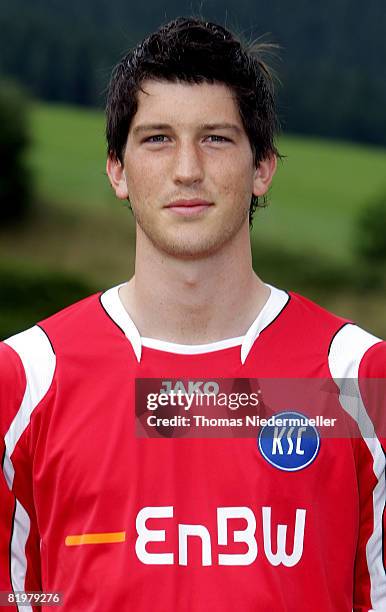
[112, 304]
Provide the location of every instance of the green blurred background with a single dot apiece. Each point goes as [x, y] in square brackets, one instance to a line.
[63, 235]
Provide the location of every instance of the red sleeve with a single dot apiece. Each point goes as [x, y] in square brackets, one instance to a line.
[371, 553]
[372, 379]
[12, 388]
[15, 496]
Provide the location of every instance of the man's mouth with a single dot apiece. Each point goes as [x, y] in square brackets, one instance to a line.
[189, 207]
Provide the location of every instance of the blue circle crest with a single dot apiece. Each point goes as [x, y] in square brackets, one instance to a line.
[288, 441]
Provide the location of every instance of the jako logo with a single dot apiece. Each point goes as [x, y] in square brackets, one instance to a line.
[225, 536]
[290, 443]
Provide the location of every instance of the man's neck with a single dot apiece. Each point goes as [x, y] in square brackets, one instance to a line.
[194, 301]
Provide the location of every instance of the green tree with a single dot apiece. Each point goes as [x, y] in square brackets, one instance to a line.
[15, 177]
[371, 232]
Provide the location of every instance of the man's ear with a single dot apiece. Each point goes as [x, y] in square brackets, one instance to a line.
[116, 174]
[263, 175]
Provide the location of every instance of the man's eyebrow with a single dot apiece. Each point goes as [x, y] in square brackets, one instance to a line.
[148, 127]
[220, 126]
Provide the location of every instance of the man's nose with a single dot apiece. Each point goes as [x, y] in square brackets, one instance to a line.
[188, 166]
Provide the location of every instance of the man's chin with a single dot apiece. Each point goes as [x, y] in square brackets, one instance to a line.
[184, 242]
[189, 249]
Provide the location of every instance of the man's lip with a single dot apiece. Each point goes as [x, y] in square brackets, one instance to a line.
[188, 203]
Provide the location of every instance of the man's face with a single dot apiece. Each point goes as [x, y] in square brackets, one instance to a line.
[187, 146]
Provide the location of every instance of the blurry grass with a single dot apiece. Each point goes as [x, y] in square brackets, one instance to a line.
[317, 193]
[68, 157]
[99, 247]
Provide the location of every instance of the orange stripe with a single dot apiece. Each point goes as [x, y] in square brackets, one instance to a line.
[95, 538]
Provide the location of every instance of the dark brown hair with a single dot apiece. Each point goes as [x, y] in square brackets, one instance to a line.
[195, 51]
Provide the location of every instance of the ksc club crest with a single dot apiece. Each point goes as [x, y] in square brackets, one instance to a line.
[289, 442]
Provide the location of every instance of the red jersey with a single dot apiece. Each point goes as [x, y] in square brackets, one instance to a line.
[116, 519]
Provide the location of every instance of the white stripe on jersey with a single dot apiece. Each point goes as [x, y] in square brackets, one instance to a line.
[39, 362]
[276, 302]
[20, 533]
[346, 352]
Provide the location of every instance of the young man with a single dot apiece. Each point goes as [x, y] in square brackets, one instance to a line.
[117, 509]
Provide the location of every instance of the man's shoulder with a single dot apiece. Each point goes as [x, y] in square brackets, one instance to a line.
[307, 309]
[350, 346]
[80, 327]
[40, 341]
[352, 350]
[69, 315]
[74, 313]
[30, 356]
[305, 323]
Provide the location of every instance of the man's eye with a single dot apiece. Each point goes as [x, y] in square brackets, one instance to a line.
[216, 138]
[156, 138]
